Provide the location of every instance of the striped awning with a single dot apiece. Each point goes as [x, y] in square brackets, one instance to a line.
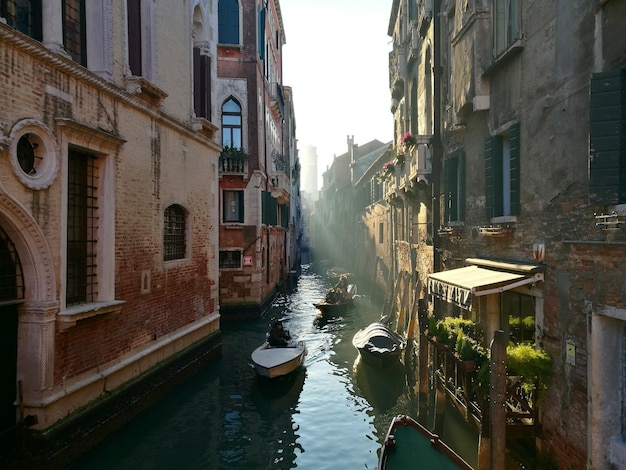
[458, 286]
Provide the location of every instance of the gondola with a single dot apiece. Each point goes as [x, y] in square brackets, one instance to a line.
[331, 304]
[408, 444]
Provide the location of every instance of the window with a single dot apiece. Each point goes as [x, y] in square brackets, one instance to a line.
[607, 138]
[506, 25]
[174, 233]
[23, 15]
[455, 187]
[381, 233]
[82, 228]
[502, 174]
[11, 276]
[74, 31]
[231, 124]
[520, 309]
[228, 21]
[233, 206]
[202, 85]
[135, 58]
[230, 259]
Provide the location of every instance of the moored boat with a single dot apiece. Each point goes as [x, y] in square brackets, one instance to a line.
[408, 444]
[378, 345]
[275, 361]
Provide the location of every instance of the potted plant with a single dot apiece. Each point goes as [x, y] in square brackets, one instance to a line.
[388, 167]
[438, 331]
[533, 365]
[408, 141]
[469, 351]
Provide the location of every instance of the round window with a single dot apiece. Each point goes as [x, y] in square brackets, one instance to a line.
[33, 154]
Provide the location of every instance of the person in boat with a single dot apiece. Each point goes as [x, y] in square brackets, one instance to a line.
[339, 293]
[278, 337]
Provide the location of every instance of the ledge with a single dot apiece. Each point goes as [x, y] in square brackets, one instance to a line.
[513, 51]
[145, 90]
[67, 318]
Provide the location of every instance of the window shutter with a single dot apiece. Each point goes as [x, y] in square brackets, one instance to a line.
[261, 32]
[515, 169]
[489, 177]
[450, 170]
[134, 36]
[607, 138]
[461, 185]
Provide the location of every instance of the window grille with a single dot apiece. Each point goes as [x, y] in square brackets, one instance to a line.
[174, 233]
[11, 276]
[230, 259]
[82, 228]
[74, 31]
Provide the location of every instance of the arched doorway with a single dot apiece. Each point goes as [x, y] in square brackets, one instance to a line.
[11, 294]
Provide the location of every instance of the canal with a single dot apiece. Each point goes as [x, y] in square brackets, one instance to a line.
[331, 414]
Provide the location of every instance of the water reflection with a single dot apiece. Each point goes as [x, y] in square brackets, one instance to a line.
[333, 413]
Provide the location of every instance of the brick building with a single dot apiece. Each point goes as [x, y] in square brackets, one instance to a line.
[108, 200]
[513, 171]
[259, 170]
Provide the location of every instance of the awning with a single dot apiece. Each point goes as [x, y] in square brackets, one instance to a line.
[457, 286]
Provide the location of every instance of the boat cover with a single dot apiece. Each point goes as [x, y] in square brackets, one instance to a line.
[378, 338]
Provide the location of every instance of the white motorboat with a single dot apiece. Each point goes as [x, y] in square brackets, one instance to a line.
[275, 361]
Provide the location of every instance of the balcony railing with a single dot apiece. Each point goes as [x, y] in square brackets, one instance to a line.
[462, 385]
[233, 162]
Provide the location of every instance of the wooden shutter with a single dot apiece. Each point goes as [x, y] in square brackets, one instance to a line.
[607, 138]
[514, 143]
[489, 177]
[461, 185]
[134, 37]
[201, 84]
[451, 196]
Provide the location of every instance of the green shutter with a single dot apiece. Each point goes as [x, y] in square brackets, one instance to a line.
[607, 138]
[461, 185]
[447, 164]
[261, 32]
[514, 142]
[489, 177]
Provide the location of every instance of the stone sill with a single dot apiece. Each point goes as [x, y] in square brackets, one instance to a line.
[70, 316]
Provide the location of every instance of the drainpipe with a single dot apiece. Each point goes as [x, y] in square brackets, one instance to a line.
[437, 149]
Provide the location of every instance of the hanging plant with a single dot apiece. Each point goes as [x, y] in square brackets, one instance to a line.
[389, 167]
[408, 141]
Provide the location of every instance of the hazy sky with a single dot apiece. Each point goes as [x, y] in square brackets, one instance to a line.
[336, 59]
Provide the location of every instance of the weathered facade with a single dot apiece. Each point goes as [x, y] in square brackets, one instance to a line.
[108, 200]
[518, 109]
[259, 170]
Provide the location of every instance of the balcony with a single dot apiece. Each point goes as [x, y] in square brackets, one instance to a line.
[233, 162]
[277, 100]
[279, 186]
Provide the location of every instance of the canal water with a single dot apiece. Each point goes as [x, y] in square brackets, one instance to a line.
[332, 414]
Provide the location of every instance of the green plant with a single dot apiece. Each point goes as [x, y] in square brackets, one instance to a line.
[454, 324]
[534, 365]
[468, 349]
[437, 330]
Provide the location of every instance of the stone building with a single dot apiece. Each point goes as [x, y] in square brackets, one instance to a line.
[108, 202]
[258, 170]
[509, 121]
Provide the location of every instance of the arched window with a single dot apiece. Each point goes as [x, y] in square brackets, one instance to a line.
[174, 243]
[231, 124]
[228, 22]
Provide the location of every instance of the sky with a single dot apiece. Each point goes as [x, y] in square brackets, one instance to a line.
[336, 60]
